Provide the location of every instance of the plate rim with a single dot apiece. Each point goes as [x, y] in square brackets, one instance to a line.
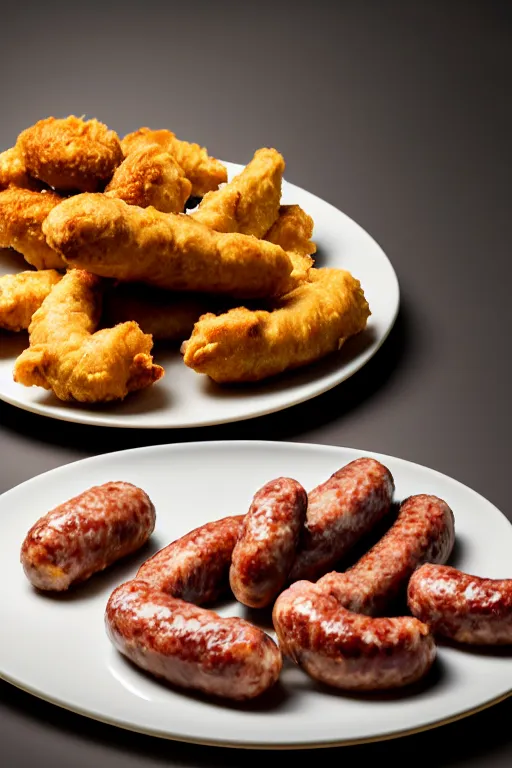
[73, 416]
[299, 447]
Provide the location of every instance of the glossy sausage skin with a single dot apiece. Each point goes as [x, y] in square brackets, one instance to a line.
[462, 607]
[346, 650]
[195, 567]
[87, 534]
[423, 532]
[340, 511]
[188, 646]
[267, 544]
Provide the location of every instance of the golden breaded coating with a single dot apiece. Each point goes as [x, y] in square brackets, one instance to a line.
[204, 172]
[13, 172]
[250, 202]
[151, 176]
[66, 356]
[308, 323]
[70, 154]
[22, 294]
[165, 315]
[22, 212]
[113, 239]
[293, 230]
[302, 264]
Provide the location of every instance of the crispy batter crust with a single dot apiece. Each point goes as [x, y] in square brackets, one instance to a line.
[113, 239]
[250, 202]
[22, 294]
[205, 173]
[70, 153]
[293, 230]
[13, 172]
[22, 212]
[151, 176]
[65, 354]
[306, 324]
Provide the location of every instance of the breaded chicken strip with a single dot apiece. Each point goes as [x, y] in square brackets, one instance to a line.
[65, 354]
[151, 176]
[308, 323]
[293, 230]
[22, 294]
[204, 172]
[22, 212]
[70, 154]
[113, 239]
[166, 316]
[13, 172]
[250, 202]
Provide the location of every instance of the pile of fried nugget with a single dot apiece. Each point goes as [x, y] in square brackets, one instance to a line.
[140, 240]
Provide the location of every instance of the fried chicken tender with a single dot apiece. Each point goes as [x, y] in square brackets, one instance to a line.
[13, 172]
[22, 294]
[292, 230]
[22, 212]
[151, 176]
[249, 204]
[166, 316]
[66, 356]
[113, 239]
[204, 172]
[308, 323]
[69, 153]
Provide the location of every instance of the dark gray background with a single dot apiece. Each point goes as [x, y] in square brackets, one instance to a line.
[399, 114]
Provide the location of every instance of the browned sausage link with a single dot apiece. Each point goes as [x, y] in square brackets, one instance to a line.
[188, 646]
[267, 544]
[340, 512]
[423, 532]
[196, 566]
[346, 650]
[462, 607]
[87, 534]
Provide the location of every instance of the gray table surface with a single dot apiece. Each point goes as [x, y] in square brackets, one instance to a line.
[400, 115]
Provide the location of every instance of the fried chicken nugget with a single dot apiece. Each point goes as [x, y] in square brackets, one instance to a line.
[249, 204]
[166, 316]
[151, 176]
[66, 356]
[204, 172]
[308, 323]
[69, 153]
[113, 239]
[22, 212]
[22, 294]
[13, 172]
[292, 230]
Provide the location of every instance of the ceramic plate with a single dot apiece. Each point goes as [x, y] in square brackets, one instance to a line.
[57, 648]
[184, 398]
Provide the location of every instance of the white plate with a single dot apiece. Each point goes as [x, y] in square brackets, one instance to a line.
[184, 398]
[56, 648]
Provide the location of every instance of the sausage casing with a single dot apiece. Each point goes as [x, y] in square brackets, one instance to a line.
[346, 650]
[423, 532]
[87, 534]
[195, 567]
[188, 646]
[340, 511]
[267, 543]
[462, 607]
